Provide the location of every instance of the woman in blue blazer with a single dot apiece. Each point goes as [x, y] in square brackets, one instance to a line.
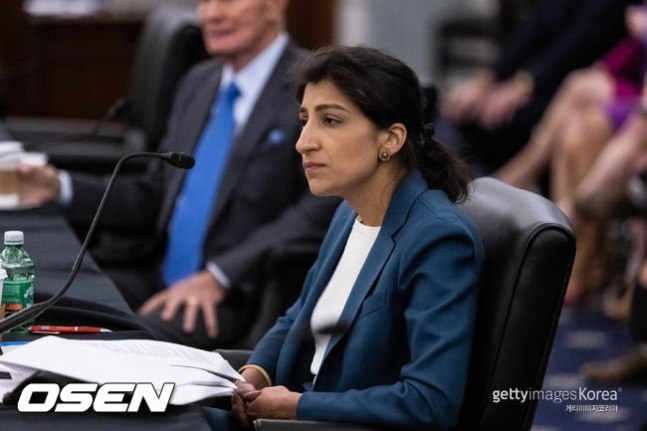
[381, 333]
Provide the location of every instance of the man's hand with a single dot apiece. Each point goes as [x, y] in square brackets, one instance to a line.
[199, 292]
[274, 402]
[38, 184]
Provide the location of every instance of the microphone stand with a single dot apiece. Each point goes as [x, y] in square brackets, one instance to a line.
[179, 160]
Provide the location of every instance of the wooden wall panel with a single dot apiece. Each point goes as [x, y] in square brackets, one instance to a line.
[82, 65]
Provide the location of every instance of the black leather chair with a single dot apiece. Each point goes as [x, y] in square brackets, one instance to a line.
[170, 42]
[529, 248]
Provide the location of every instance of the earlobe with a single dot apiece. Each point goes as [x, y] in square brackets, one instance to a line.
[384, 155]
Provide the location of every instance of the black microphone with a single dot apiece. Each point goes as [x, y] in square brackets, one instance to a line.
[179, 160]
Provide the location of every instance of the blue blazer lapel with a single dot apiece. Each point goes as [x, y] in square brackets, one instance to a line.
[300, 329]
[373, 265]
[410, 188]
[404, 196]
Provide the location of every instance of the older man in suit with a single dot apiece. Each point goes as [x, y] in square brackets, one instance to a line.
[212, 227]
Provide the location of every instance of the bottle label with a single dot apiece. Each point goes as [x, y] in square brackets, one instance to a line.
[17, 295]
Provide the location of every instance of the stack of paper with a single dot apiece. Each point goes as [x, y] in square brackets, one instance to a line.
[197, 374]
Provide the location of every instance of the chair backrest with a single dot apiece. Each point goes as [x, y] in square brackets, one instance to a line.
[529, 251]
[170, 43]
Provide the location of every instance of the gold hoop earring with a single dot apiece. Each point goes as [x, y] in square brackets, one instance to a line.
[384, 155]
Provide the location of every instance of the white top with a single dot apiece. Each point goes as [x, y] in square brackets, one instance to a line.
[333, 299]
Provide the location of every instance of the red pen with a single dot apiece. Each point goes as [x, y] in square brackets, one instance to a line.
[53, 329]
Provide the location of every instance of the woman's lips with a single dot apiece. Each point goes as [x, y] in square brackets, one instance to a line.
[311, 166]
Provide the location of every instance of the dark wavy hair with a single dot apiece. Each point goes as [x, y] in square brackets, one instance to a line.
[387, 91]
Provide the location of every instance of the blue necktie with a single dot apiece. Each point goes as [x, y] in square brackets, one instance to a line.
[193, 206]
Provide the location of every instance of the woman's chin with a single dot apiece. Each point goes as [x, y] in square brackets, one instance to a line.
[320, 191]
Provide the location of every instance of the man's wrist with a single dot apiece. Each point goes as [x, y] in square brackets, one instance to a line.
[65, 189]
[218, 274]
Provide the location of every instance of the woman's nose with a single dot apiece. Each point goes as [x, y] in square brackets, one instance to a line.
[305, 142]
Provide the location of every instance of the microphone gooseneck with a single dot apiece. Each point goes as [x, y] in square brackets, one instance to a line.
[180, 160]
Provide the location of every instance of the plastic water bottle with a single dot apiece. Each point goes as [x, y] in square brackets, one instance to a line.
[18, 290]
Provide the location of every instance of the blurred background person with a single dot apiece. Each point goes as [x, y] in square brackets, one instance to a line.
[491, 114]
[611, 188]
[588, 109]
[612, 84]
[616, 187]
[214, 223]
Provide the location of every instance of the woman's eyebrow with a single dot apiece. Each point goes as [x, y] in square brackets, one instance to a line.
[324, 107]
[331, 106]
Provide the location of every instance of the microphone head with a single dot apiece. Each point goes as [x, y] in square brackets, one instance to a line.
[179, 160]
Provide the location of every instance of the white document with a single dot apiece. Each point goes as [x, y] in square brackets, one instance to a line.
[197, 374]
[18, 374]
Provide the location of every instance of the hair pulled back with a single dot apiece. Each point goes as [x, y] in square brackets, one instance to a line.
[387, 91]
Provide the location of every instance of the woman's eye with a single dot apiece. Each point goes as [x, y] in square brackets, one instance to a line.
[330, 121]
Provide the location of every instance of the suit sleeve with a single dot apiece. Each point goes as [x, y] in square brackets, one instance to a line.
[305, 220]
[130, 206]
[135, 200]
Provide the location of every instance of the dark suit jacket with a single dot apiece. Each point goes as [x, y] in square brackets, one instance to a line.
[264, 200]
[400, 353]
